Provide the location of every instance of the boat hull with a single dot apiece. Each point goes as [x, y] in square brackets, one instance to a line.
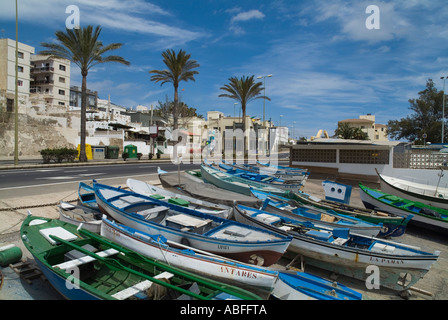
[387, 186]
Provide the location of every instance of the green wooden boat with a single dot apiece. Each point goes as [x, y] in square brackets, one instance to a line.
[393, 225]
[423, 215]
[82, 265]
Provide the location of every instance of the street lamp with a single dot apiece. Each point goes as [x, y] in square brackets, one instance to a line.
[443, 107]
[264, 88]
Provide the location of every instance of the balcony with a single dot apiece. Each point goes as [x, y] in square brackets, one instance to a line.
[40, 82]
[42, 69]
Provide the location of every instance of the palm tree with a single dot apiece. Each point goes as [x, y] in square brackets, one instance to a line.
[180, 68]
[82, 47]
[243, 90]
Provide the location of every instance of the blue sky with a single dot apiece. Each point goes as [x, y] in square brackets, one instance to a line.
[326, 64]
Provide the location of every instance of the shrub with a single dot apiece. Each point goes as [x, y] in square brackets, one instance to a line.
[58, 155]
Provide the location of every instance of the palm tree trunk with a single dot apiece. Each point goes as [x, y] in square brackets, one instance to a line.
[82, 153]
[243, 107]
[175, 113]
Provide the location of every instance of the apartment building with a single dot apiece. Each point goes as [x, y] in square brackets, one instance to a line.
[51, 80]
[375, 131]
[8, 76]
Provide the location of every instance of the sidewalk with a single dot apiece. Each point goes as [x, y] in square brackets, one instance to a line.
[38, 163]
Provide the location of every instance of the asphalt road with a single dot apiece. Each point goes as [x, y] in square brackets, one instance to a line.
[35, 181]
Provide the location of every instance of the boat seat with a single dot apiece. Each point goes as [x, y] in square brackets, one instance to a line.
[151, 213]
[139, 287]
[340, 241]
[85, 259]
[267, 218]
[186, 222]
[381, 247]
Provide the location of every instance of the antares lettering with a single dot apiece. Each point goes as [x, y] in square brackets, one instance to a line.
[238, 273]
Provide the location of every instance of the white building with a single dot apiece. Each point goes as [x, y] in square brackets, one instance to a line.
[8, 74]
[51, 80]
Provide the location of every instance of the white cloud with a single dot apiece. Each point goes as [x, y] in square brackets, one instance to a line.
[248, 15]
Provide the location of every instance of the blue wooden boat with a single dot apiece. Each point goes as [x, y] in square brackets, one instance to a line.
[266, 282]
[257, 178]
[86, 196]
[237, 184]
[400, 266]
[320, 218]
[393, 225]
[287, 176]
[194, 228]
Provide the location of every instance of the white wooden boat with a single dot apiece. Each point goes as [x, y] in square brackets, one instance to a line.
[76, 215]
[196, 229]
[400, 266]
[428, 194]
[266, 282]
[208, 207]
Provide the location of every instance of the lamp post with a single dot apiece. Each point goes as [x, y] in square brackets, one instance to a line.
[443, 107]
[264, 88]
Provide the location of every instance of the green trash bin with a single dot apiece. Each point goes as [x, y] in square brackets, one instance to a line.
[131, 151]
[112, 152]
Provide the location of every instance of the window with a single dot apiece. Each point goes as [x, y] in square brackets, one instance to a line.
[62, 92]
[20, 68]
[61, 103]
[61, 67]
[61, 79]
[9, 105]
[20, 54]
[20, 83]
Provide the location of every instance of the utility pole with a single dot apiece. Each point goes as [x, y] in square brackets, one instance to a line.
[16, 97]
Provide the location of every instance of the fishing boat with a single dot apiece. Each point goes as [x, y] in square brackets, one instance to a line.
[82, 265]
[423, 215]
[266, 282]
[233, 183]
[320, 218]
[196, 229]
[431, 195]
[288, 177]
[194, 186]
[150, 190]
[262, 180]
[74, 214]
[400, 266]
[86, 196]
[392, 224]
